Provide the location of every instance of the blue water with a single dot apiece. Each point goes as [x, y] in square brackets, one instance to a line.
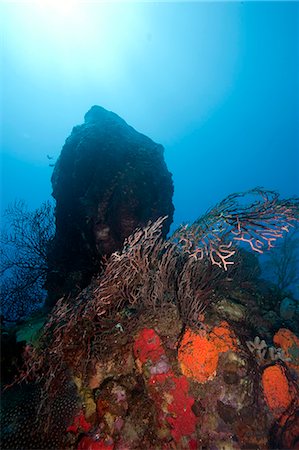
[217, 84]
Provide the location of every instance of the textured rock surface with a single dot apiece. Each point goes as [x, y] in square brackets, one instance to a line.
[24, 427]
[108, 180]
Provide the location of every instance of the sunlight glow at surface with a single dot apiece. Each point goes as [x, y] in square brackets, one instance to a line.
[215, 83]
[68, 39]
[156, 65]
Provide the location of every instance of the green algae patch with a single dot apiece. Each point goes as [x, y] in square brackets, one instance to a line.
[30, 331]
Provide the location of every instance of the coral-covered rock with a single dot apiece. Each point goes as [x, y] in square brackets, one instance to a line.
[113, 366]
[174, 407]
[87, 398]
[108, 180]
[230, 310]
[112, 406]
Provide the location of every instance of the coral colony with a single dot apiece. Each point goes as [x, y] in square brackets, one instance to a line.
[151, 361]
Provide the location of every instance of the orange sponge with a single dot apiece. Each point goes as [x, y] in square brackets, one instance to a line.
[289, 343]
[198, 355]
[277, 390]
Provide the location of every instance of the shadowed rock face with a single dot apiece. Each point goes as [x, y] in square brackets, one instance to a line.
[108, 180]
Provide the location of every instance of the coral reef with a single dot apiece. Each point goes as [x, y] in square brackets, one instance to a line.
[153, 359]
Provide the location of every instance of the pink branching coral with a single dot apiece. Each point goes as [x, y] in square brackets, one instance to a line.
[258, 224]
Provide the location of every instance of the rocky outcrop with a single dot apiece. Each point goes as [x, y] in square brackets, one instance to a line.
[108, 180]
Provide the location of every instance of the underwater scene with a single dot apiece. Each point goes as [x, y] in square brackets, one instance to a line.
[149, 225]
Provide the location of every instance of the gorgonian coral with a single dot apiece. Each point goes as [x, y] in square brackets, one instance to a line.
[256, 217]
